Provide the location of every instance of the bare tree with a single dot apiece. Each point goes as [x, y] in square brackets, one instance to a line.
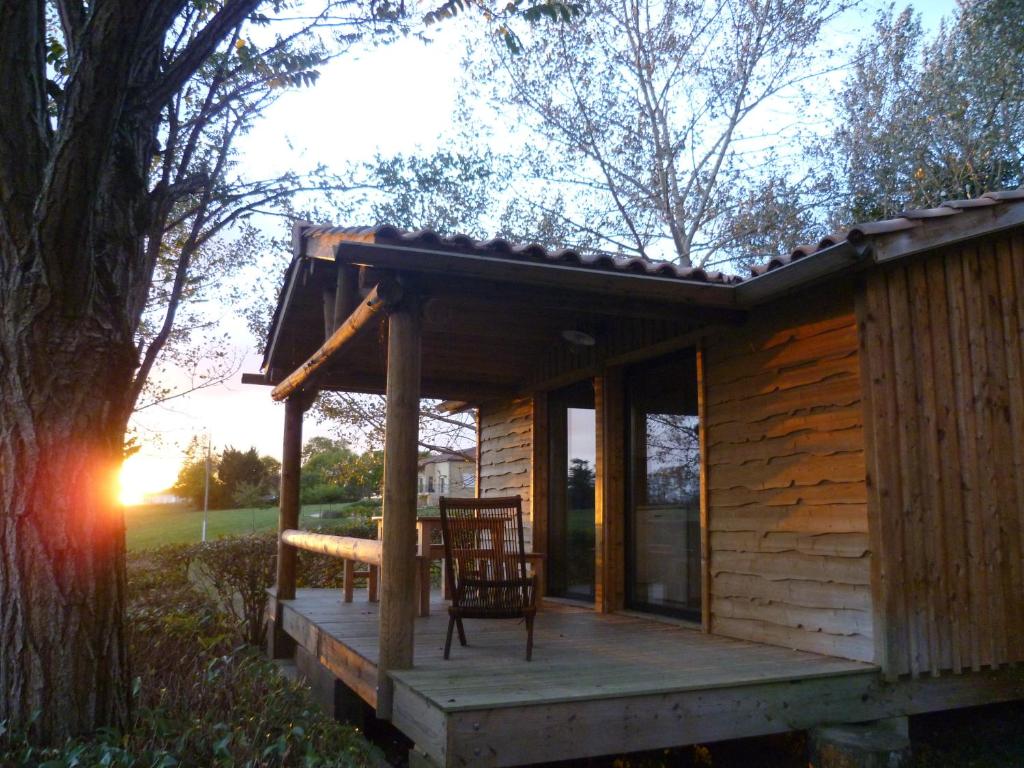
[657, 115]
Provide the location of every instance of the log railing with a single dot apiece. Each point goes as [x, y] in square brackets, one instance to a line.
[350, 549]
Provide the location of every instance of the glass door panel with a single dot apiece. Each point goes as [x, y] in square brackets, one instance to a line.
[571, 532]
[664, 574]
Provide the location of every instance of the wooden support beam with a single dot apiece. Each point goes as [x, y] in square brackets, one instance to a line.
[345, 547]
[467, 391]
[398, 570]
[479, 446]
[385, 294]
[705, 508]
[281, 646]
[346, 293]
[610, 491]
[454, 295]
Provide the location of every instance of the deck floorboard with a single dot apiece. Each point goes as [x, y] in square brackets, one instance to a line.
[578, 655]
[604, 684]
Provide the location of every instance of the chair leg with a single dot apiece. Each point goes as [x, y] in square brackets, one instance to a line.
[529, 637]
[462, 631]
[448, 640]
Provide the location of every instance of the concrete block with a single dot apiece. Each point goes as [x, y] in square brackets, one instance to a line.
[877, 744]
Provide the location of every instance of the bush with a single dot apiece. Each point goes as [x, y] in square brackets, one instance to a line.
[325, 493]
[364, 508]
[202, 698]
[239, 570]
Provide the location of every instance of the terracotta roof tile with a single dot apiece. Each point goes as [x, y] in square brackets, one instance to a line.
[388, 235]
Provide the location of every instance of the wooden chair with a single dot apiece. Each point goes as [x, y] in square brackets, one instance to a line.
[486, 564]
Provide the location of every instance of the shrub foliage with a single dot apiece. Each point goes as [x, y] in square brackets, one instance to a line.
[203, 695]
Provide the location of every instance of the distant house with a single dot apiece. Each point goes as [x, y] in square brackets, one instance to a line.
[163, 497]
[446, 474]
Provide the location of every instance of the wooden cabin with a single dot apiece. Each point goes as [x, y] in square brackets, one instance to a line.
[806, 486]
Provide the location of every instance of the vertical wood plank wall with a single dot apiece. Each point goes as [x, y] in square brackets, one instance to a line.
[943, 347]
[506, 449]
[787, 502]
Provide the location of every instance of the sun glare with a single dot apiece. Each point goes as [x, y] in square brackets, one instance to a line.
[142, 475]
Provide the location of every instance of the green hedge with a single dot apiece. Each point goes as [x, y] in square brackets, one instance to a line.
[202, 695]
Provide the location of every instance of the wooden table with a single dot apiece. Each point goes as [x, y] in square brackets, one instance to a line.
[429, 548]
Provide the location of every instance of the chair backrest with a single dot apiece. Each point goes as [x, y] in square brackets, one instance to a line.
[483, 541]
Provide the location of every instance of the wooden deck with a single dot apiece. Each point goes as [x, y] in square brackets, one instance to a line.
[605, 684]
[599, 684]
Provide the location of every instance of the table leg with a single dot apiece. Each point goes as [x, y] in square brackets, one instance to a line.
[350, 579]
[423, 584]
[371, 583]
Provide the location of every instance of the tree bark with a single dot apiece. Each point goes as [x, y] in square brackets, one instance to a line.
[75, 207]
[63, 659]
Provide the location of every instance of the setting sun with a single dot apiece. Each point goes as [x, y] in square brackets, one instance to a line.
[142, 475]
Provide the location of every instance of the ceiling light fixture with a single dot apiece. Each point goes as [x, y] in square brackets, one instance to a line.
[579, 338]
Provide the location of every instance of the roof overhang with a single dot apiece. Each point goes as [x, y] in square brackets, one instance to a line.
[496, 314]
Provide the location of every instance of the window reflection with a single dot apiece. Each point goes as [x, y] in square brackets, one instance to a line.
[571, 533]
[664, 553]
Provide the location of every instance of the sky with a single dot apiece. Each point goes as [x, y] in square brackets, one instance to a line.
[392, 99]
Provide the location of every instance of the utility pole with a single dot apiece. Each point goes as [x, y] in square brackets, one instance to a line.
[206, 488]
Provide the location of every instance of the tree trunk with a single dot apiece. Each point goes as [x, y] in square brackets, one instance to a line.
[63, 659]
[75, 207]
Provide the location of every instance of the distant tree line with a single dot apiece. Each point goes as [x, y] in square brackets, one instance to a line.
[332, 472]
[237, 478]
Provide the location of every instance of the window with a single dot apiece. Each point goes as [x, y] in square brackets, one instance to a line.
[571, 531]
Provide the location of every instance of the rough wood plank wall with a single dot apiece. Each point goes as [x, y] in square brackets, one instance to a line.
[506, 449]
[943, 341]
[790, 556]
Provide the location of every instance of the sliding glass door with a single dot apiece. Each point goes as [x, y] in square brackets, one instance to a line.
[663, 510]
[571, 496]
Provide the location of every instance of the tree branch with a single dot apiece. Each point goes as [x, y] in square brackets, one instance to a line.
[23, 120]
[178, 71]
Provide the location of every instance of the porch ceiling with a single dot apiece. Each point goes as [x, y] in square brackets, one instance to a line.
[482, 338]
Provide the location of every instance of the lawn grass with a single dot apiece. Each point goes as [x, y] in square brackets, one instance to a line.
[150, 526]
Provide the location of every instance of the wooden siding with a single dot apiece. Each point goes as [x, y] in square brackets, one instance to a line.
[506, 449]
[787, 508]
[943, 361]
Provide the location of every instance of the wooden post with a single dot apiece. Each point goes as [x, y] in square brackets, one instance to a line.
[398, 569]
[346, 294]
[280, 644]
[479, 446]
[705, 509]
[610, 491]
[540, 477]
